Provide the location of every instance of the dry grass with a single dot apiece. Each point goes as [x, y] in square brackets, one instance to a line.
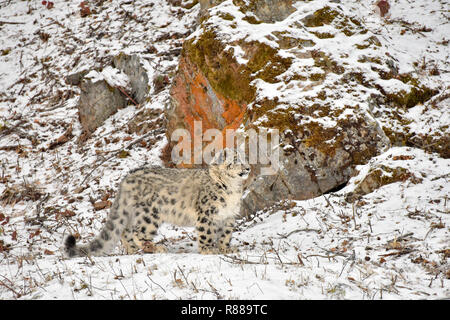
[20, 192]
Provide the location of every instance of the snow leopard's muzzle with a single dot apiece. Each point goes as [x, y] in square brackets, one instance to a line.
[245, 171]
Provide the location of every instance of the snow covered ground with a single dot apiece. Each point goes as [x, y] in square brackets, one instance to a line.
[393, 243]
[394, 246]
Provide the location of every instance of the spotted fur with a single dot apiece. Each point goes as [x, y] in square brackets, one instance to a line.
[208, 199]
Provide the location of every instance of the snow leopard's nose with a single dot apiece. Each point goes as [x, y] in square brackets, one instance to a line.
[244, 172]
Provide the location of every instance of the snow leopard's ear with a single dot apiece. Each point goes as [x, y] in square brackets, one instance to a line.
[219, 157]
[232, 156]
[226, 156]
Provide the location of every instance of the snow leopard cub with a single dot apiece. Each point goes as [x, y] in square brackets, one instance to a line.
[208, 199]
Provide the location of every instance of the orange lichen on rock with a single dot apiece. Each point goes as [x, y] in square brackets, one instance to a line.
[195, 100]
[233, 114]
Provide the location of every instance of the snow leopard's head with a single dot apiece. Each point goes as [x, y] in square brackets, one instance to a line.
[237, 169]
[232, 163]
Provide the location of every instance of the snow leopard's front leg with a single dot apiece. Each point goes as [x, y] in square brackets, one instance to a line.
[224, 231]
[205, 227]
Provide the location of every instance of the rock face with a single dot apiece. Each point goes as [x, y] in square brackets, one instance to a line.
[100, 94]
[213, 108]
[399, 164]
[264, 10]
[132, 66]
[98, 101]
[376, 178]
[313, 75]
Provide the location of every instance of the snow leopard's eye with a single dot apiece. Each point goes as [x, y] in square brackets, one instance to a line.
[245, 171]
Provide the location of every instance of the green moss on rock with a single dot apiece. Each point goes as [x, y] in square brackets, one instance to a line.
[326, 63]
[327, 15]
[226, 16]
[378, 177]
[372, 41]
[410, 99]
[312, 133]
[190, 5]
[438, 141]
[366, 59]
[288, 42]
[323, 35]
[225, 75]
[252, 20]
[317, 76]
[320, 17]
[266, 63]
[228, 77]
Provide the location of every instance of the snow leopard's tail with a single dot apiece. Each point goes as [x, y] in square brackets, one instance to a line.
[101, 245]
[106, 240]
[96, 247]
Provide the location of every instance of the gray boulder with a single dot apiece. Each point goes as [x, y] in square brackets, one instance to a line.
[98, 101]
[133, 67]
